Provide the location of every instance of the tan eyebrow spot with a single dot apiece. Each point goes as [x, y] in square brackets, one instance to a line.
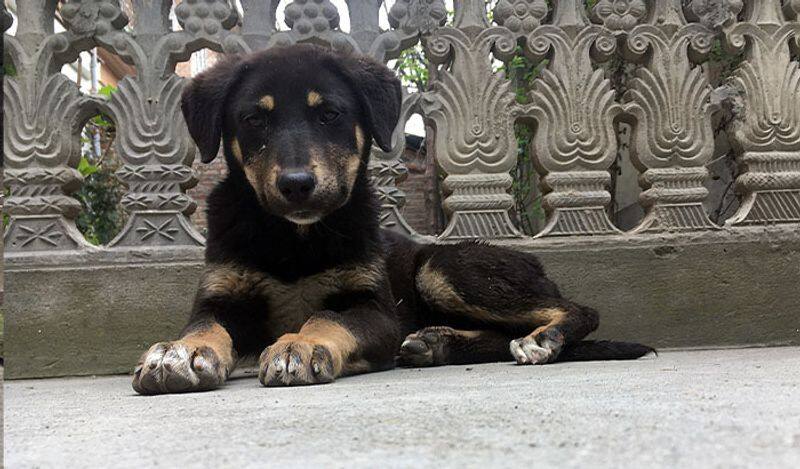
[314, 99]
[267, 102]
[236, 149]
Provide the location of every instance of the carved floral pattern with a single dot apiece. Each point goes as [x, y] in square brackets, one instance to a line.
[417, 16]
[203, 18]
[475, 142]
[307, 16]
[43, 111]
[520, 16]
[90, 16]
[472, 108]
[575, 143]
[673, 138]
[767, 130]
[620, 14]
[715, 13]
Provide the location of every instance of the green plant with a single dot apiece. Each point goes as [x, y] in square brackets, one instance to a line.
[528, 209]
[101, 218]
[9, 70]
[412, 68]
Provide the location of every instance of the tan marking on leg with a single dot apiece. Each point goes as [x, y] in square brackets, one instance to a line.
[368, 277]
[436, 288]
[339, 341]
[217, 339]
[314, 99]
[231, 280]
[468, 334]
[549, 315]
[267, 102]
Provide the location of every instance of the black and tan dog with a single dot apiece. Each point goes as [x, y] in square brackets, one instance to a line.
[298, 269]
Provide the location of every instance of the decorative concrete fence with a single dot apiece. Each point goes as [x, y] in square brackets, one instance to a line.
[677, 279]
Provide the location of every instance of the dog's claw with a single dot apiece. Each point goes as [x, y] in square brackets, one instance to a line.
[178, 367]
[295, 363]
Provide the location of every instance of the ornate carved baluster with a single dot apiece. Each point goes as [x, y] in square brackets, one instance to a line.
[152, 138]
[470, 109]
[314, 21]
[410, 20]
[766, 130]
[387, 170]
[573, 106]
[669, 99]
[259, 21]
[43, 115]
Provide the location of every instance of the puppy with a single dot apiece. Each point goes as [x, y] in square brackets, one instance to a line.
[298, 269]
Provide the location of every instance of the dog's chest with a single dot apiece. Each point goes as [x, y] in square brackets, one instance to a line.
[291, 304]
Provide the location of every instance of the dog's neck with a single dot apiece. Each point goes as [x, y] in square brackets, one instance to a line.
[349, 234]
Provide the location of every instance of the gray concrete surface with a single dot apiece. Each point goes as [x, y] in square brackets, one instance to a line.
[720, 408]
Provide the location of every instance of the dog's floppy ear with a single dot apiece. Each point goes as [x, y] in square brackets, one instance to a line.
[202, 104]
[380, 95]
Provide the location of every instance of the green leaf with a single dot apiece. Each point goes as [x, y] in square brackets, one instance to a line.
[85, 168]
[9, 70]
[107, 90]
[101, 121]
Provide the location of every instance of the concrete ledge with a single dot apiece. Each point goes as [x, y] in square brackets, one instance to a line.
[92, 320]
[727, 288]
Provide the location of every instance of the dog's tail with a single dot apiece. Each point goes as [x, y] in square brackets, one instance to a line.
[587, 350]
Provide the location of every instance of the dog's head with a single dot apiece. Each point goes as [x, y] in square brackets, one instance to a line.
[297, 122]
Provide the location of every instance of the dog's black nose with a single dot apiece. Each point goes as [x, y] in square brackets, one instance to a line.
[296, 187]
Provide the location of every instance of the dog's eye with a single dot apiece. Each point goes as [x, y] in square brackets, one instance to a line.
[328, 116]
[256, 120]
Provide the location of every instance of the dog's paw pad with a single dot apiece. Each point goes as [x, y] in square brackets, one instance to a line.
[537, 349]
[426, 347]
[171, 367]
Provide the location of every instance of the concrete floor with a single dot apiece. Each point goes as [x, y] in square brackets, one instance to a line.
[721, 408]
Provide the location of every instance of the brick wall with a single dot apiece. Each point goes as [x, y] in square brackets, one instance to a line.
[416, 210]
[208, 175]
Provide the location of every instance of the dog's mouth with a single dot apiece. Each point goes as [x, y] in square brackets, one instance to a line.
[303, 217]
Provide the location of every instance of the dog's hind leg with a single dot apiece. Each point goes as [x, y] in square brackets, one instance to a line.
[443, 345]
[501, 293]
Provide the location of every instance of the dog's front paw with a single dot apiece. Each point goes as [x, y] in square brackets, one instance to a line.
[537, 348]
[178, 367]
[296, 361]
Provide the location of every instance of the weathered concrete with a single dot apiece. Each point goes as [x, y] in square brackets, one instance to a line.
[93, 320]
[722, 408]
[717, 291]
[2, 425]
[735, 287]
